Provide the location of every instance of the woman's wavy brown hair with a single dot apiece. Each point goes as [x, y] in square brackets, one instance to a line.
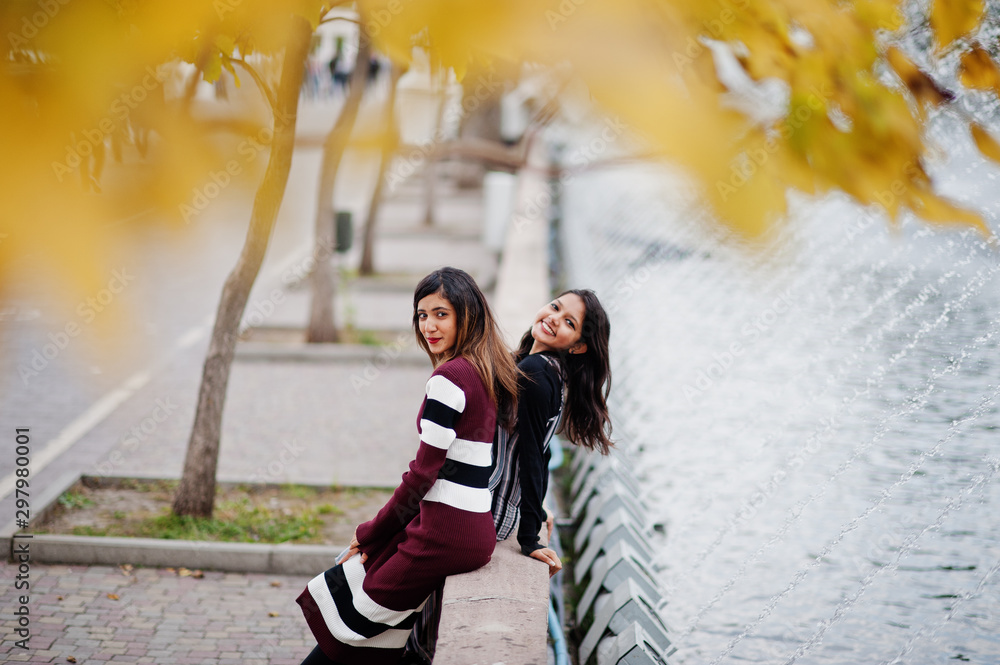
[585, 420]
[478, 338]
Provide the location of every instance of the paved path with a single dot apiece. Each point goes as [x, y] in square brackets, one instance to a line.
[101, 614]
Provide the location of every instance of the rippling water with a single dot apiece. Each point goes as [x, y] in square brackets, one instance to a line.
[817, 424]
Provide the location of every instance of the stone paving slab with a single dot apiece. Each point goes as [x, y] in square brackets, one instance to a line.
[157, 617]
[344, 423]
[387, 310]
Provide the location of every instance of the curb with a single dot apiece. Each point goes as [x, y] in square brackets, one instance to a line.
[281, 558]
[328, 353]
[44, 500]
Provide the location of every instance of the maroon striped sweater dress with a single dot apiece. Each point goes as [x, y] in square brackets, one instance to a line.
[437, 523]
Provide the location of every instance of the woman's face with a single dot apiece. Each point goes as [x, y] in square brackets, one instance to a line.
[558, 325]
[437, 322]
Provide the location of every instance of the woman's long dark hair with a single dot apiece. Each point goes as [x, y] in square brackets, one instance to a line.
[478, 338]
[588, 378]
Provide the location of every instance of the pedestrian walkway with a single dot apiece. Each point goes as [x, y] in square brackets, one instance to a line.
[102, 614]
[290, 417]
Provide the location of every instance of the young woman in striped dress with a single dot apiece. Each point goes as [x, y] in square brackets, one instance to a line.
[566, 378]
[438, 521]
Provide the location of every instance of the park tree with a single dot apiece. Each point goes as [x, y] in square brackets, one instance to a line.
[75, 75]
[388, 149]
[196, 492]
[321, 327]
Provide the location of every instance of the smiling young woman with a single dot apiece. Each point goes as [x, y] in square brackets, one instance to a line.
[438, 521]
[566, 378]
[436, 322]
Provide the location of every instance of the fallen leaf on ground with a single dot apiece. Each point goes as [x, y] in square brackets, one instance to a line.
[113, 596]
[275, 583]
[272, 614]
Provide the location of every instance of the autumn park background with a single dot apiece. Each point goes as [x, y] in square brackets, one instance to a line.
[789, 205]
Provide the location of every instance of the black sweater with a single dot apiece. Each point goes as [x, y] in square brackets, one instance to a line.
[538, 411]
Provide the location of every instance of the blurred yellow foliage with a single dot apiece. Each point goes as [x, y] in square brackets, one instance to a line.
[921, 86]
[85, 81]
[986, 143]
[954, 19]
[650, 65]
[81, 73]
[979, 71]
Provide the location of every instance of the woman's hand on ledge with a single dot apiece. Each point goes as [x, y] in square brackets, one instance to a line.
[354, 549]
[549, 557]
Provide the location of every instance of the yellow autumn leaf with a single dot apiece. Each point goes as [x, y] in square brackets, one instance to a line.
[879, 14]
[954, 19]
[978, 70]
[933, 208]
[987, 145]
[225, 43]
[747, 196]
[923, 88]
[766, 55]
[311, 10]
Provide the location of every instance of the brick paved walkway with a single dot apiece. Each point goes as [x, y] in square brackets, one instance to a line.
[101, 614]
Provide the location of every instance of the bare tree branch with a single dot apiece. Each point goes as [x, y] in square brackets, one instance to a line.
[259, 80]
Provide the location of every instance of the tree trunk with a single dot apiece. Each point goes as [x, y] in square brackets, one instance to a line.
[321, 325]
[430, 167]
[385, 158]
[196, 493]
[481, 123]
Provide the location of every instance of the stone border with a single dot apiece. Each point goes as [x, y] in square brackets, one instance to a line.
[41, 504]
[330, 353]
[282, 558]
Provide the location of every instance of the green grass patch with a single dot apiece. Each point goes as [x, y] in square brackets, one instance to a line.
[243, 513]
[234, 521]
[71, 500]
[368, 338]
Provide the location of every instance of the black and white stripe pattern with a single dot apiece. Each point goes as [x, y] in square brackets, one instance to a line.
[504, 481]
[463, 481]
[351, 616]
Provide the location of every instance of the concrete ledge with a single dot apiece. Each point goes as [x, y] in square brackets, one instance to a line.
[282, 558]
[497, 614]
[152, 552]
[329, 353]
[523, 275]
